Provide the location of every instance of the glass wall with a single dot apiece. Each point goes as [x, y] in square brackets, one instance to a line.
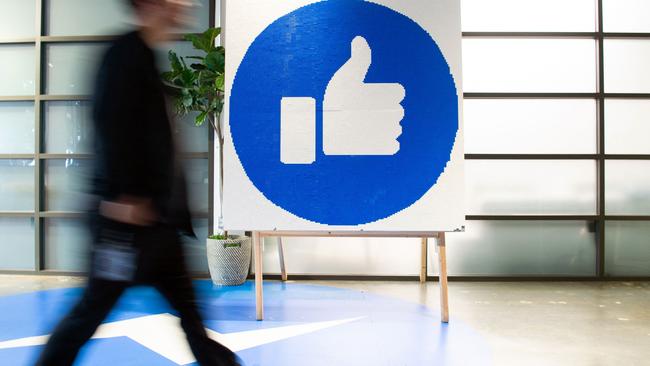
[523, 248]
[556, 110]
[49, 50]
[557, 104]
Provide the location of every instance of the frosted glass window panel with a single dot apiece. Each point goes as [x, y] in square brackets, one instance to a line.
[627, 126]
[529, 65]
[17, 18]
[17, 70]
[345, 256]
[102, 17]
[627, 187]
[626, 16]
[502, 187]
[530, 126]
[68, 127]
[16, 185]
[195, 250]
[627, 251]
[626, 66]
[217, 16]
[198, 180]
[71, 67]
[87, 17]
[17, 244]
[520, 248]
[17, 128]
[66, 184]
[67, 245]
[191, 138]
[528, 16]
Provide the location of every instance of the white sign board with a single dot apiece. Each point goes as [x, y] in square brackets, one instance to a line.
[343, 116]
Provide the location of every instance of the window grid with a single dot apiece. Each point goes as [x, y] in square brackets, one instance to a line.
[39, 156]
[601, 217]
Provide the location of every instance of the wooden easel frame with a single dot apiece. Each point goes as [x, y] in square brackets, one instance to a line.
[258, 237]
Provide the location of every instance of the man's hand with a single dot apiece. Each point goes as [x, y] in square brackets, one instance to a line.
[129, 210]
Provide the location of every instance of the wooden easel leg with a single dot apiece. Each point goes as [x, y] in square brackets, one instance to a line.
[423, 261]
[259, 276]
[444, 290]
[283, 269]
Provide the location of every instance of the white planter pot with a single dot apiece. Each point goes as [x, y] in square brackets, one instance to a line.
[229, 260]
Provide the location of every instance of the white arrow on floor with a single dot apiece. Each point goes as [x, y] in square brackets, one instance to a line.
[163, 335]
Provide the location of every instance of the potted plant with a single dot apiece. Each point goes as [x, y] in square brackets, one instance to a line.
[198, 87]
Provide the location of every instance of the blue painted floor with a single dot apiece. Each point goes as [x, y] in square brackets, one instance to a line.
[305, 326]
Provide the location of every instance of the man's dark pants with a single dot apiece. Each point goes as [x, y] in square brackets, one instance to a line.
[161, 264]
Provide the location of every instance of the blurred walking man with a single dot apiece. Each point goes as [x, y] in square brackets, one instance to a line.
[142, 199]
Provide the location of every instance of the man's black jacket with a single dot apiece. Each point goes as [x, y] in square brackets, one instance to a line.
[134, 144]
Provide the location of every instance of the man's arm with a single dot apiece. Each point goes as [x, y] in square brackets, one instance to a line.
[122, 139]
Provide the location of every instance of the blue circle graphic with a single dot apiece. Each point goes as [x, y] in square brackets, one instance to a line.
[296, 56]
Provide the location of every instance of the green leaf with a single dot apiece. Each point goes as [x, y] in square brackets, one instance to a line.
[215, 61]
[210, 36]
[187, 100]
[204, 41]
[206, 81]
[218, 107]
[197, 82]
[219, 82]
[208, 76]
[178, 82]
[168, 76]
[197, 41]
[200, 119]
[218, 237]
[175, 62]
[188, 76]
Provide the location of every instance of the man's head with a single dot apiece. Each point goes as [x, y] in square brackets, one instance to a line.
[161, 16]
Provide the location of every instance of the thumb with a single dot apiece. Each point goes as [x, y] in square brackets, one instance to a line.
[356, 68]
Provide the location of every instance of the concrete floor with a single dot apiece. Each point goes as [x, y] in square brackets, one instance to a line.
[526, 323]
[548, 323]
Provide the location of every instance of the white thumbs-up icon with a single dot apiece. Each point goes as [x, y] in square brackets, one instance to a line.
[359, 118]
